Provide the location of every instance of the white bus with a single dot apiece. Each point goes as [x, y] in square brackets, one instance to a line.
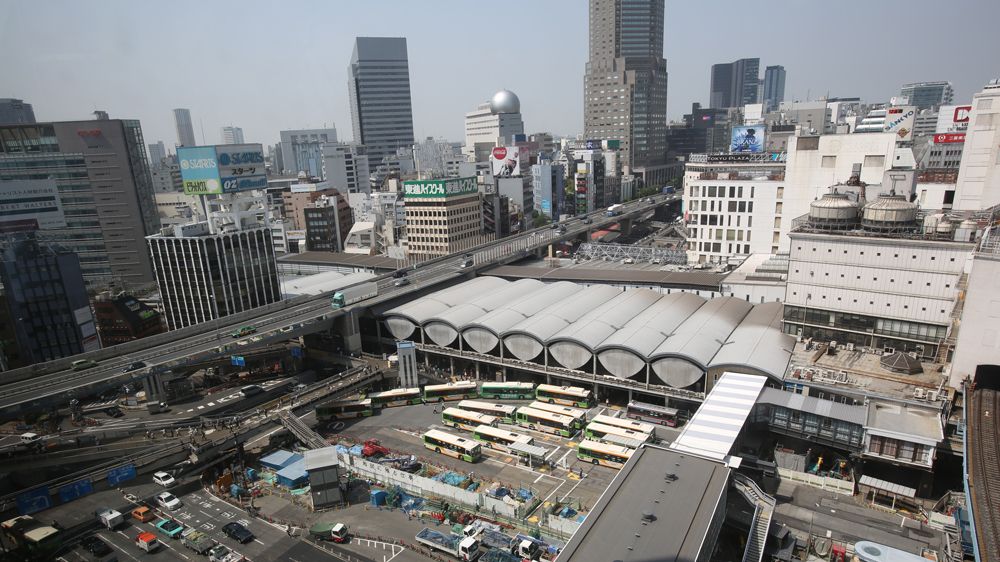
[565, 395]
[579, 416]
[624, 423]
[464, 419]
[452, 445]
[451, 391]
[596, 431]
[612, 456]
[547, 422]
[502, 411]
[500, 439]
[396, 397]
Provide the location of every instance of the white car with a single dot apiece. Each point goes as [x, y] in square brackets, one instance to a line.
[169, 501]
[163, 479]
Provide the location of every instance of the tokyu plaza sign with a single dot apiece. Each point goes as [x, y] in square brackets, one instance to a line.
[434, 189]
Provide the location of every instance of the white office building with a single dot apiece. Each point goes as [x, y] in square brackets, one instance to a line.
[301, 150]
[978, 184]
[345, 167]
[231, 135]
[493, 123]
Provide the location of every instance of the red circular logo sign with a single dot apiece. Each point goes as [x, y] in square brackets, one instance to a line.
[500, 152]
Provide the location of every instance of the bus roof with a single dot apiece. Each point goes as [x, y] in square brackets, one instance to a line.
[604, 428]
[485, 419]
[365, 402]
[605, 448]
[394, 392]
[652, 407]
[574, 390]
[561, 418]
[450, 438]
[460, 384]
[497, 432]
[503, 408]
[556, 408]
[511, 384]
[634, 425]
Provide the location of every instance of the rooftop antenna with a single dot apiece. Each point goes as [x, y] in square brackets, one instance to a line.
[201, 123]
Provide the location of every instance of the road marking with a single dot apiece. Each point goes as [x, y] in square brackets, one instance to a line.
[122, 550]
[211, 404]
[256, 540]
[563, 458]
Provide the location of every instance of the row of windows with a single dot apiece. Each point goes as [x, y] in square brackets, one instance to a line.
[877, 254]
[735, 191]
[864, 323]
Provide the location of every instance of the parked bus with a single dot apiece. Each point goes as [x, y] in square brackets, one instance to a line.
[612, 456]
[547, 422]
[565, 395]
[502, 411]
[508, 390]
[624, 423]
[464, 419]
[652, 413]
[579, 416]
[344, 409]
[596, 431]
[452, 445]
[396, 397]
[450, 391]
[500, 439]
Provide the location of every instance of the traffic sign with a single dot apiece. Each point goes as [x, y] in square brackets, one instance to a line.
[121, 474]
[34, 501]
[77, 489]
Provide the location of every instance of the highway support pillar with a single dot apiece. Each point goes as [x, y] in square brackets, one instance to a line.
[347, 326]
[153, 385]
[451, 364]
[477, 370]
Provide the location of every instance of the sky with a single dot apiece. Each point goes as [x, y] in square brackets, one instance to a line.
[271, 66]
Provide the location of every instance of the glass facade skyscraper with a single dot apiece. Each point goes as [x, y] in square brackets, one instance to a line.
[735, 84]
[625, 86]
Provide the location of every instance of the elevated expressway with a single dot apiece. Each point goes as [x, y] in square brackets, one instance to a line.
[53, 383]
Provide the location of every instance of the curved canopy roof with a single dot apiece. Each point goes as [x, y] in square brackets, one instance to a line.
[758, 342]
[680, 335]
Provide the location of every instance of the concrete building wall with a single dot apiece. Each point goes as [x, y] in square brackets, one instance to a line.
[978, 184]
[978, 341]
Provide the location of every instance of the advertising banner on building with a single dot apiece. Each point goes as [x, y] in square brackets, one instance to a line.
[433, 189]
[505, 161]
[899, 120]
[747, 139]
[949, 138]
[31, 200]
[241, 167]
[199, 170]
[953, 119]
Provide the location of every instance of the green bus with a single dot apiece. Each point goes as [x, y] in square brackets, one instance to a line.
[566, 395]
[500, 439]
[452, 391]
[503, 411]
[464, 419]
[579, 416]
[344, 409]
[452, 445]
[508, 390]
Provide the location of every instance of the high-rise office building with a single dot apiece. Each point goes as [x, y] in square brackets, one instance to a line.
[185, 129]
[548, 185]
[46, 302]
[378, 81]
[327, 223]
[345, 167]
[774, 87]
[735, 84]
[157, 152]
[442, 216]
[925, 95]
[625, 86]
[231, 135]
[104, 187]
[301, 150]
[15, 111]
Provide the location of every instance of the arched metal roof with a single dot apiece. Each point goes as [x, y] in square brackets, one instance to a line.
[556, 317]
[758, 343]
[701, 336]
[420, 310]
[483, 333]
[443, 328]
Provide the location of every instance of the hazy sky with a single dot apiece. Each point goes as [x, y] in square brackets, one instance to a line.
[268, 66]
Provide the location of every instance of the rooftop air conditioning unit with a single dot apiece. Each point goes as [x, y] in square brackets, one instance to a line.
[888, 350]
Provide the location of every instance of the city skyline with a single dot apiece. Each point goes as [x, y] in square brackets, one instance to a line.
[110, 70]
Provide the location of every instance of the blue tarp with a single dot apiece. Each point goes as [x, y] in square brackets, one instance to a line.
[294, 474]
[280, 459]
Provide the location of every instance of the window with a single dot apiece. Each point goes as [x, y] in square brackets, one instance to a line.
[829, 162]
[874, 161]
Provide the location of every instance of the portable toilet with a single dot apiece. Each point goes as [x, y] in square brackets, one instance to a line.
[379, 497]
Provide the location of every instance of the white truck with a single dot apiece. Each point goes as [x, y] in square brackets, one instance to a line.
[110, 518]
[462, 548]
[492, 536]
[615, 210]
[350, 295]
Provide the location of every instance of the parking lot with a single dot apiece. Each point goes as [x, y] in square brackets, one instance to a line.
[400, 430]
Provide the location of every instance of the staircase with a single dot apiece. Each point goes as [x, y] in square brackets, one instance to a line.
[301, 431]
[764, 510]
